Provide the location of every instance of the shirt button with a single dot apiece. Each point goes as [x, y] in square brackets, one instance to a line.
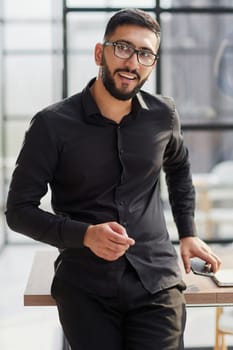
[121, 151]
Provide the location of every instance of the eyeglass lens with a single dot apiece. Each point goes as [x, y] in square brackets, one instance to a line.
[124, 51]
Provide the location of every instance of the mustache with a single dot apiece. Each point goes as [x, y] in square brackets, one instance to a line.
[127, 70]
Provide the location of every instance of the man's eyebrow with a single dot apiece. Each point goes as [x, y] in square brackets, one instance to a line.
[124, 41]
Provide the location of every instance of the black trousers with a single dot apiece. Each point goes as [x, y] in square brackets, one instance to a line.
[134, 320]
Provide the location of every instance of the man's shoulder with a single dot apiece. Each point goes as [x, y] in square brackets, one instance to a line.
[59, 115]
[65, 107]
[157, 101]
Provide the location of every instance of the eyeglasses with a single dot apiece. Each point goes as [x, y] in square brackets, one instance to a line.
[124, 51]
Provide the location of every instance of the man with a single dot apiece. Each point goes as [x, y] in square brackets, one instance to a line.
[117, 283]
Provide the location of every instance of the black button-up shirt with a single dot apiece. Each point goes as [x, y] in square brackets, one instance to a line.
[102, 171]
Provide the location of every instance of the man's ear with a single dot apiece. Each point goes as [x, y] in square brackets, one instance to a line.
[98, 54]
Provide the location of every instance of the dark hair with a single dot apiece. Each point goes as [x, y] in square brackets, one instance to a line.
[132, 16]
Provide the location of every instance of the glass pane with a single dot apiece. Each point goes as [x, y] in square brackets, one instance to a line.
[13, 140]
[14, 135]
[108, 3]
[28, 84]
[196, 3]
[15, 131]
[207, 148]
[85, 30]
[2, 228]
[82, 68]
[32, 74]
[128, 3]
[211, 156]
[1, 84]
[150, 84]
[1, 122]
[197, 69]
[214, 200]
[27, 9]
[86, 3]
[25, 36]
[2, 203]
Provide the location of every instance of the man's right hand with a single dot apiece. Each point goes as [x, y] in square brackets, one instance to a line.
[108, 240]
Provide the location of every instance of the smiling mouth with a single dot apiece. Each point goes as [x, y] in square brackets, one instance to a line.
[128, 76]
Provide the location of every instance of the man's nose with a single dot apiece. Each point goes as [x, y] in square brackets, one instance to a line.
[132, 61]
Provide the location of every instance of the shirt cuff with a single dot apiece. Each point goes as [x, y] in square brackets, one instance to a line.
[186, 226]
[73, 233]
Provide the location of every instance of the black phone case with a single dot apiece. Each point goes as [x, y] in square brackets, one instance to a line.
[199, 267]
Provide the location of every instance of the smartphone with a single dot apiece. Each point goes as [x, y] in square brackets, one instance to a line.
[200, 267]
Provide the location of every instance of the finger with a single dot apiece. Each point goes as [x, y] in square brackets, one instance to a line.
[217, 259]
[120, 239]
[214, 261]
[121, 232]
[116, 227]
[115, 254]
[109, 255]
[211, 259]
[186, 262]
[116, 247]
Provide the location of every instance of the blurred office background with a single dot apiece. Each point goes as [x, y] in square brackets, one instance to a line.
[46, 53]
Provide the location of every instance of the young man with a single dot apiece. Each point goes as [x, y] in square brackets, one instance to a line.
[117, 282]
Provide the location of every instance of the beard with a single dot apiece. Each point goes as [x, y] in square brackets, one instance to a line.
[110, 86]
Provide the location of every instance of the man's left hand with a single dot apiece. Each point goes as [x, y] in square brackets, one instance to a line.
[191, 247]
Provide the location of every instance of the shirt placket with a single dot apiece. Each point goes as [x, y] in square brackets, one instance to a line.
[119, 195]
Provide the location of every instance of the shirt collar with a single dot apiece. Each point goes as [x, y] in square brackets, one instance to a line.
[89, 105]
[92, 111]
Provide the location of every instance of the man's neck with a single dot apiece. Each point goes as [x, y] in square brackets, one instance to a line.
[109, 106]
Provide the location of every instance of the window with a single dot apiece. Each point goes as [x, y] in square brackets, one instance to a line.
[194, 67]
[31, 76]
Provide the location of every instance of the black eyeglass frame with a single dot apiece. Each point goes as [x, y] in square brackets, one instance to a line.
[137, 51]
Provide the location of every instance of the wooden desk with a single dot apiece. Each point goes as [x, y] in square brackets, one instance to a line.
[201, 291]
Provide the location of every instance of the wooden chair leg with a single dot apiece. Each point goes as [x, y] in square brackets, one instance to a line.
[220, 343]
[218, 336]
[216, 345]
[224, 347]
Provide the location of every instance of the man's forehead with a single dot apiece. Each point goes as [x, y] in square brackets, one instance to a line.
[136, 35]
